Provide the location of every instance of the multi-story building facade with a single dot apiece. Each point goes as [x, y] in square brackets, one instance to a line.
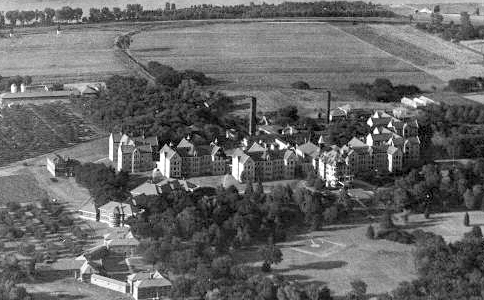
[391, 145]
[190, 160]
[259, 163]
[132, 154]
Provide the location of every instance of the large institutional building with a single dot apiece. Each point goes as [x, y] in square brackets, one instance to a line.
[132, 154]
[391, 145]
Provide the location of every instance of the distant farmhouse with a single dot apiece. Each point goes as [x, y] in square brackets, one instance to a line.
[38, 94]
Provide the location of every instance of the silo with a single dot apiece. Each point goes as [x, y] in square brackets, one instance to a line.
[23, 88]
[13, 88]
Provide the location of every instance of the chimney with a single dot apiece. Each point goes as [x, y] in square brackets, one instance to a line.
[253, 112]
[328, 109]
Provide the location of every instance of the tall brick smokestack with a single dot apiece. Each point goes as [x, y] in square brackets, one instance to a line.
[328, 109]
[253, 112]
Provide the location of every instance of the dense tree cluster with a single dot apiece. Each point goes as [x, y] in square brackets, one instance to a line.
[466, 85]
[131, 105]
[382, 90]
[451, 131]
[103, 183]
[451, 31]
[194, 235]
[446, 271]
[340, 133]
[437, 189]
[167, 76]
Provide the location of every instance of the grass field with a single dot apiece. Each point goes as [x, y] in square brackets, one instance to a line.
[78, 54]
[274, 55]
[343, 253]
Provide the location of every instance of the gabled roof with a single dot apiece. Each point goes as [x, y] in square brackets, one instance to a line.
[88, 207]
[123, 242]
[256, 148]
[184, 143]
[119, 233]
[309, 149]
[356, 143]
[144, 275]
[413, 140]
[155, 282]
[60, 265]
[168, 150]
[380, 114]
[147, 188]
[122, 207]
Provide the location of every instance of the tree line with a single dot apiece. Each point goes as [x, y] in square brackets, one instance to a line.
[68, 14]
[466, 85]
[451, 31]
[382, 90]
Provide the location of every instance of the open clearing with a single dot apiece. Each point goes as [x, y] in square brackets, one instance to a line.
[80, 53]
[343, 253]
[261, 55]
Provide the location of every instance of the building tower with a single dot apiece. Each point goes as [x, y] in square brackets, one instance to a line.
[253, 112]
[173, 6]
[328, 108]
[167, 6]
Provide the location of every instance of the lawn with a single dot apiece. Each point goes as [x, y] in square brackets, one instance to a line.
[343, 253]
[262, 55]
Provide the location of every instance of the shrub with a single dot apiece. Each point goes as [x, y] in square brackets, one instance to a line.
[396, 235]
[300, 85]
[370, 232]
[386, 221]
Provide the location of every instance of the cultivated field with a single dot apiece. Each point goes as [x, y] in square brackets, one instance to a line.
[261, 55]
[79, 54]
[442, 59]
[32, 130]
[343, 253]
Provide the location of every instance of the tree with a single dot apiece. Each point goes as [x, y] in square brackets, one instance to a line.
[49, 14]
[466, 28]
[469, 199]
[318, 292]
[437, 9]
[466, 220]
[270, 255]
[358, 291]
[370, 232]
[12, 16]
